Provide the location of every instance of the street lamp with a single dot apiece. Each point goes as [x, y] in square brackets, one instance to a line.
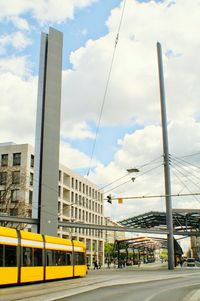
[130, 170]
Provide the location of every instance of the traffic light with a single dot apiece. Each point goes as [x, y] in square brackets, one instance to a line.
[120, 200]
[109, 199]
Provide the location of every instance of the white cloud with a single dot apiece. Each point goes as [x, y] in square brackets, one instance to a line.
[73, 158]
[17, 40]
[76, 131]
[19, 23]
[42, 10]
[14, 65]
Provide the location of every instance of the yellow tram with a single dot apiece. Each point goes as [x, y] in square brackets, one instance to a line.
[30, 257]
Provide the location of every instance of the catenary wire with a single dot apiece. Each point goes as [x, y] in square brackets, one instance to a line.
[106, 90]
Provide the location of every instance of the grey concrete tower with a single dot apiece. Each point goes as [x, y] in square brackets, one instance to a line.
[47, 140]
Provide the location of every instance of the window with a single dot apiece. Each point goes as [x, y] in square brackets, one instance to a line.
[3, 194]
[72, 182]
[4, 160]
[27, 259]
[15, 177]
[10, 256]
[49, 257]
[32, 161]
[3, 178]
[31, 179]
[69, 258]
[1, 255]
[60, 258]
[59, 191]
[59, 176]
[56, 257]
[16, 159]
[79, 258]
[13, 212]
[30, 200]
[15, 195]
[37, 257]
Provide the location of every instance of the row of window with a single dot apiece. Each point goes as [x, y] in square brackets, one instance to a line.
[16, 160]
[79, 186]
[34, 257]
[13, 178]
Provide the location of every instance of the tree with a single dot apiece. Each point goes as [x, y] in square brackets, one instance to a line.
[13, 187]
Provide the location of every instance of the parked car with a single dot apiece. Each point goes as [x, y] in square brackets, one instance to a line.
[190, 262]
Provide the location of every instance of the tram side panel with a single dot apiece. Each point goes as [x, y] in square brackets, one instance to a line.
[58, 259]
[8, 256]
[32, 257]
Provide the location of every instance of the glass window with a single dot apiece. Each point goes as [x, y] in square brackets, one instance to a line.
[30, 200]
[15, 195]
[3, 178]
[37, 254]
[16, 177]
[79, 258]
[32, 161]
[49, 257]
[69, 259]
[31, 179]
[4, 160]
[27, 257]
[60, 173]
[10, 256]
[1, 255]
[60, 258]
[14, 212]
[3, 194]
[16, 159]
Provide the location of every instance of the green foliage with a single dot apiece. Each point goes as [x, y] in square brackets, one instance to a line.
[164, 254]
[108, 248]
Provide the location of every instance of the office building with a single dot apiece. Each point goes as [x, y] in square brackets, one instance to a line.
[79, 200]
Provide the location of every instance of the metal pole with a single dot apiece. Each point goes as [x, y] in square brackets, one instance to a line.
[166, 162]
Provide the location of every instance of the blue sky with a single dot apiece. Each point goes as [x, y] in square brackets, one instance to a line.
[130, 132]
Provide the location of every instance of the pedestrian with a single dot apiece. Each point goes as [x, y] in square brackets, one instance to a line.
[95, 265]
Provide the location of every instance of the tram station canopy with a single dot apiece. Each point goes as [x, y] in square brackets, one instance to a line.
[183, 220]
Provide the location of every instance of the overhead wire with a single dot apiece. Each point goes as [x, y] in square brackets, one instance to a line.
[106, 89]
[128, 173]
[183, 182]
[135, 178]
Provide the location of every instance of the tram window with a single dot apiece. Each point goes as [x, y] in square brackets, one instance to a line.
[10, 256]
[1, 255]
[60, 258]
[79, 258]
[37, 257]
[27, 259]
[49, 257]
[69, 260]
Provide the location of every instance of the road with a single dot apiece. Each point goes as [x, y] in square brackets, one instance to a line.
[178, 289]
[150, 282]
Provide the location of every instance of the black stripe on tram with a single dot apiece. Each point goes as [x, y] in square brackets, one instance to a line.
[44, 258]
[73, 257]
[19, 255]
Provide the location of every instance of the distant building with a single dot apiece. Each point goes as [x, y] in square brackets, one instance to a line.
[79, 200]
[111, 236]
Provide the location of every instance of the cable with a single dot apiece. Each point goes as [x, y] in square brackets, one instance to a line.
[140, 166]
[131, 179]
[195, 154]
[106, 89]
[185, 184]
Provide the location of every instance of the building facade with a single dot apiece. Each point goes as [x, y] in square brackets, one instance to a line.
[79, 200]
[112, 236]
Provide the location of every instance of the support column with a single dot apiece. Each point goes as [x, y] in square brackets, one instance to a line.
[169, 218]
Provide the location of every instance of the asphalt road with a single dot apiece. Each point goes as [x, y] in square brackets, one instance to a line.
[149, 282]
[178, 289]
